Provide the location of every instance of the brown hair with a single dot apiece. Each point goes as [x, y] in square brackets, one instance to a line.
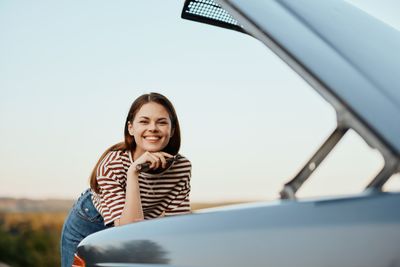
[129, 142]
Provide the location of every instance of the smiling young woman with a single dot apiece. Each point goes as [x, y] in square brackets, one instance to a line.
[120, 193]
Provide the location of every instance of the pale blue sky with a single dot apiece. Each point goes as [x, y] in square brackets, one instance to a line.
[69, 71]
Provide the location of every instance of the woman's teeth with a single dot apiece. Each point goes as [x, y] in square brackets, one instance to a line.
[152, 138]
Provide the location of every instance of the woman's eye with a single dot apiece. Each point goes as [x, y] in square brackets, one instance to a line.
[162, 123]
[142, 122]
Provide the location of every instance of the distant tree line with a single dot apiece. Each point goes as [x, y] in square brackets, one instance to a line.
[30, 239]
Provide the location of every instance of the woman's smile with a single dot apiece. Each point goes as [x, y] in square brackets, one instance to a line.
[152, 138]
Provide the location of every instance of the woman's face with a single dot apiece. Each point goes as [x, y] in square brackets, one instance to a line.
[151, 128]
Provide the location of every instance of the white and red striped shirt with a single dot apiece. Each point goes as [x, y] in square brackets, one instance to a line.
[167, 192]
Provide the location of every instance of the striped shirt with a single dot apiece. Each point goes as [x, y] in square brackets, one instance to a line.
[165, 193]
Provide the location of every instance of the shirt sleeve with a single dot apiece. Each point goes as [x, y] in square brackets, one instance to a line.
[112, 190]
[180, 202]
[112, 198]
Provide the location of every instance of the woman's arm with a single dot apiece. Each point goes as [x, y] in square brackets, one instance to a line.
[133, 211]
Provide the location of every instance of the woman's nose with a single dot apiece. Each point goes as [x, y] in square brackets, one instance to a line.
[153, 126]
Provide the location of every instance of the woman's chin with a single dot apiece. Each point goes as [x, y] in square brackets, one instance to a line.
[153, 148]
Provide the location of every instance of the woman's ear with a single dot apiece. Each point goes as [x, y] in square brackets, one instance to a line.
[130, 128]
[172, 131]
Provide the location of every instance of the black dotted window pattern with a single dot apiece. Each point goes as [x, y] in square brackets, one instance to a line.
[209, 12]
[210, 9]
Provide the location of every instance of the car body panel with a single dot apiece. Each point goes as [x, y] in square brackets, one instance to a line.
[333, 232]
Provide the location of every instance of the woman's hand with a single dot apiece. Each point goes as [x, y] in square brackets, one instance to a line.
[156, 160]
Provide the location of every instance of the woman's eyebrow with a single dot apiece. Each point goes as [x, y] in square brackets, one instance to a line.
[158, 119]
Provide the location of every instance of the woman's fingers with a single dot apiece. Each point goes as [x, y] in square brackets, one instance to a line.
[162, 159]
[165, 154]
[156, 159]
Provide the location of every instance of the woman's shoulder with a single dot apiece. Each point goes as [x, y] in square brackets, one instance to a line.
[182, 162]
[115, 159]
[181, 169]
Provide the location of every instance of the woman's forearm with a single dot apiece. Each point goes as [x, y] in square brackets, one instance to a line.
[132, 211]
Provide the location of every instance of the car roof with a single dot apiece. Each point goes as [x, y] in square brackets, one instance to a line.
[350, 57]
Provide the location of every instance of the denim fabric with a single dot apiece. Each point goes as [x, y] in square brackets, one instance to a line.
[82, 220]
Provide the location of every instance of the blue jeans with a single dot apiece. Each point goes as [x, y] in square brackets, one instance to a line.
[82, 220]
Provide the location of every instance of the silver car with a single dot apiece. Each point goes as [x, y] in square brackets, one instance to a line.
[358, 72]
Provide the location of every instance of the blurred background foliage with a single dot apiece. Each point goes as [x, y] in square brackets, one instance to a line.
[30, 239]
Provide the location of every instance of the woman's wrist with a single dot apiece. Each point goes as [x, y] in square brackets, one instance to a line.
[132, 172]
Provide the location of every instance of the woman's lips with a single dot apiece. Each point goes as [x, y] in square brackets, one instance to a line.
[152, 138]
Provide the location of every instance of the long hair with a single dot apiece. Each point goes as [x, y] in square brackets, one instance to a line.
[129, 141]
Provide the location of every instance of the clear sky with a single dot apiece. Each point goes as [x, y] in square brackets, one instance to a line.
[69, 71]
